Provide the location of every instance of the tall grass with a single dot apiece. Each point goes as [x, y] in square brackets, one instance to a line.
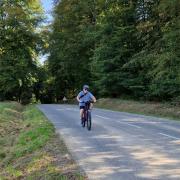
[140, 107]
[29, 147]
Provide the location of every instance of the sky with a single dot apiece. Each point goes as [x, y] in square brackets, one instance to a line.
[48, 7]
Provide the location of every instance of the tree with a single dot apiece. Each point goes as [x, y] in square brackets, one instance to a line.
[71, 45]
[157, 63]
[117, 44]
[120, 47]
[19, 46]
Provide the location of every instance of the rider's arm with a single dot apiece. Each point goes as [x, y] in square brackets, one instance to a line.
[94, 99]
[78, 98]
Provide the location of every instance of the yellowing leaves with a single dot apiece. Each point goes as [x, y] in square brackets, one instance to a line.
[1, 51]
[35, 5]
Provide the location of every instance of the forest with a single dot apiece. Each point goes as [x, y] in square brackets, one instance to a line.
[120, 48]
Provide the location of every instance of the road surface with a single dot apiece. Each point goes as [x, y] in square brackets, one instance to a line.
[120, 146]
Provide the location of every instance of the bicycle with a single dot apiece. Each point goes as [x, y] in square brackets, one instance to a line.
[87, 116]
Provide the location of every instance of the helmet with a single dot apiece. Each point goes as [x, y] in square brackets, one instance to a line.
[85, 87]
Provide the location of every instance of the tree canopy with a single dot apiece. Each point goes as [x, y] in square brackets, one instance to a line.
[118, 47]
[19, 47]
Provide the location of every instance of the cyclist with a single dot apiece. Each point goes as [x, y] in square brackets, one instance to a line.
[85, 96]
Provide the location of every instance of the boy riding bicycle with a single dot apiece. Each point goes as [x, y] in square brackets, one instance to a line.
[83, 97]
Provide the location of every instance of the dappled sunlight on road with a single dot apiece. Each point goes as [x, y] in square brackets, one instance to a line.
[150, 156]
[100, 157]
[157, 173]
[135, 159]
[176, 142]
[105, 171]
[123, 147]
[156, 164]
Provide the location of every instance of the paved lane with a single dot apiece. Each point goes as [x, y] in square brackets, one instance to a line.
[121, 145]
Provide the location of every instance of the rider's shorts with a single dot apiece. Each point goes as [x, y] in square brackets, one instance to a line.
[81, 107]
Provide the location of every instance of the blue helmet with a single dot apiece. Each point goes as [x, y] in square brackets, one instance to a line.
[85, 87]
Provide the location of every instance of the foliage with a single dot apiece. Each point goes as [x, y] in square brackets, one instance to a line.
[119, 47]
[19, 47]
[71, 44]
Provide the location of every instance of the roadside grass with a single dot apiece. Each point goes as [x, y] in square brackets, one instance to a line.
[30, 148]
[165, 110]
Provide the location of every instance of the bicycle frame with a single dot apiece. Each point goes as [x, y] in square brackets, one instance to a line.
[87, 116]
[86, 108]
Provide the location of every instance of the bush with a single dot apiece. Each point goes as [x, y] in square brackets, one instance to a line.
[176, 101]
[26, 97]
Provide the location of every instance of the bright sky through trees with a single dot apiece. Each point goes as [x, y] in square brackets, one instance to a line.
[48, 5]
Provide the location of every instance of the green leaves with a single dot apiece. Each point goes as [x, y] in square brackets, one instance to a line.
[71, 45]
[118, 47]
[18, 46]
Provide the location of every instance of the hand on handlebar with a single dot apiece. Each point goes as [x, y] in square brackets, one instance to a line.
[87, 102]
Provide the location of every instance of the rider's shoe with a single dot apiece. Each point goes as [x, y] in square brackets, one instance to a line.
[82, 122]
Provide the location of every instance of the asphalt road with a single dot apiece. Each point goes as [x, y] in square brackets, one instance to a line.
[120, 146]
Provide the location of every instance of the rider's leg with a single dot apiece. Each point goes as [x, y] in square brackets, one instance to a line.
[81, 113]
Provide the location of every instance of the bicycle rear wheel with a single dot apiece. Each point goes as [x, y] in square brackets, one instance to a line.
[89, 123]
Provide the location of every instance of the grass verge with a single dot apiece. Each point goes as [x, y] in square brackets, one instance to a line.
[29, 147]
[146, 108]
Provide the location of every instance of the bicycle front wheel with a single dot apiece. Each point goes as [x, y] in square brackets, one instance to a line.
[83, 122]
[89, 123]
[84, 119]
